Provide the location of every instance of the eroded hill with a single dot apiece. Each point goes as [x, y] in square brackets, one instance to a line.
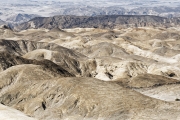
[91, 73]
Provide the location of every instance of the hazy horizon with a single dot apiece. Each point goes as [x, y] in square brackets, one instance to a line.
[9, 9]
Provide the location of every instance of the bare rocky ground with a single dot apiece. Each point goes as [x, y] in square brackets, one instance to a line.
[91, 73]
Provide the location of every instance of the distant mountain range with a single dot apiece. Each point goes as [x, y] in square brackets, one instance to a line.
[104, 21]
[20, 18]
[16, 11]
[2, 22]
[17, 19]
[162, 11]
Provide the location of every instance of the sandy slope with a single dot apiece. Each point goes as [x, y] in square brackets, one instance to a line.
[7, 113]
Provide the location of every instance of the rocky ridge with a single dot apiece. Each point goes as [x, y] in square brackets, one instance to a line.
[102, 21]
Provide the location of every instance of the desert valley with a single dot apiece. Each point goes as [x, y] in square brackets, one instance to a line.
[96, 67]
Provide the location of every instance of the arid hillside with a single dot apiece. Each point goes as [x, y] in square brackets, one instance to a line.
[90, 73]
